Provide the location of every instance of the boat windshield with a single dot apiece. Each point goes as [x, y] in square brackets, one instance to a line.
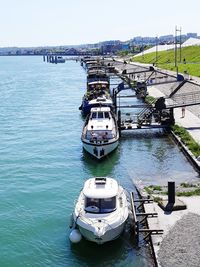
[103, 205]
[100, 115]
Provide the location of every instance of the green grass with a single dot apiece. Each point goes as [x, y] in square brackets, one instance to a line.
[166, 60]
[149, 99]
[186, 138]
[150, 189]
[187, 185]
[195, 192]
[157, 199]
[192, 69]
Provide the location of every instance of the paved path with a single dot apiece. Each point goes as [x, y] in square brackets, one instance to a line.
[190, 121]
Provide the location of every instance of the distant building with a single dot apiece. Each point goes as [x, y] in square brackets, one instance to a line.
[112, 47]
[125, 46]
[192, 34]
[166, 39]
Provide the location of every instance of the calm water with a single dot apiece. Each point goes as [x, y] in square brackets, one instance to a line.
[43, 167]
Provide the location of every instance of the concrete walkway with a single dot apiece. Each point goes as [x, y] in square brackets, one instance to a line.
[190, 121]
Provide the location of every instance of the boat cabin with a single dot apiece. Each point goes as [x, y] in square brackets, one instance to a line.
[100, 195]
[100, 125]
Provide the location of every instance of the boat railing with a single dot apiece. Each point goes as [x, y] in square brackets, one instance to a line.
[99, 138]
[97, 79]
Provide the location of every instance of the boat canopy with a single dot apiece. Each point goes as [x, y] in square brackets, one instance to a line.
[100, 188]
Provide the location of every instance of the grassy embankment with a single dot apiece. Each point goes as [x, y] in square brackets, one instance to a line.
[187, 139]
[165, 60]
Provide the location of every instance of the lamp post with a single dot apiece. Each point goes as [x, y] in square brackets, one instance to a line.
[156, 50]
[175, 47]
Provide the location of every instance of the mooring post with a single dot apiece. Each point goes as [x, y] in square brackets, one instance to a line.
[119, 122]
[137, 232]
[114, 99]
[171, 192]
[171, 112]
[44, 58]
[171, 197]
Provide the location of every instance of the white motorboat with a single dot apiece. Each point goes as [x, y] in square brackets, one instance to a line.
[101, 211]
[100, 134]
[60, 59]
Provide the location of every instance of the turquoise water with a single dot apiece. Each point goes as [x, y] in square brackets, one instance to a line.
[43, 167]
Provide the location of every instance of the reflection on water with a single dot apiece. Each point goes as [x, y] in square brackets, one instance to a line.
[103, 167]
[120, 252]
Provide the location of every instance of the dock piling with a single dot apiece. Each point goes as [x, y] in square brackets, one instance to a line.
[119, 122]
[171, 192]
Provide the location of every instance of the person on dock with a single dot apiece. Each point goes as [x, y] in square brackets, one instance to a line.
[183, 112]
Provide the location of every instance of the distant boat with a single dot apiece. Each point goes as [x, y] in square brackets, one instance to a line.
[101, 211]
[60, 59]
[100, 134]
[97, 95]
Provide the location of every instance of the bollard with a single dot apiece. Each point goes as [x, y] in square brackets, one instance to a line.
[119, 122]
[171, 114]
[171, 192]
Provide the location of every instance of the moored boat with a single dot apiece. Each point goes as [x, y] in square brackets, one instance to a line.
[97, 95]
[60, 59]
[101, 211]
[100, 134]
[98, 89]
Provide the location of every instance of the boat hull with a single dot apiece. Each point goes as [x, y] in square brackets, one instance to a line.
[100, 150]
[109, 235]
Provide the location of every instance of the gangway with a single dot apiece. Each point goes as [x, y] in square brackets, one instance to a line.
[184, 92]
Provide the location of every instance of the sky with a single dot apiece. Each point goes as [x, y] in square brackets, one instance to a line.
[28, 23]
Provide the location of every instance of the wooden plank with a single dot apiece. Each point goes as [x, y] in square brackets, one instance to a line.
[144, 200]
[151, 231]
[146, 214]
